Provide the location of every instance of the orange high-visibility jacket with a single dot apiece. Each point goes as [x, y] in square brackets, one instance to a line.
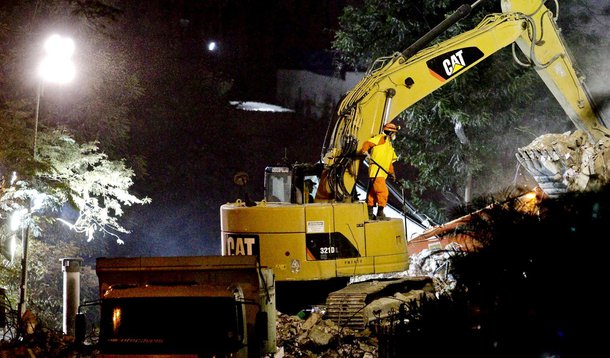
[383, 153]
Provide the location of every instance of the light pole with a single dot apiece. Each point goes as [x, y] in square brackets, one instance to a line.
[55, 67]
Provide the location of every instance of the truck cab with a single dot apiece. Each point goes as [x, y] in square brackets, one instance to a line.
[186, 307]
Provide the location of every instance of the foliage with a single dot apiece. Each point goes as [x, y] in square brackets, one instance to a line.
[69, 178]
[380, 28]
[73, 174]
[496, 107]
[45, 288]
[96, 186]
[529, 290]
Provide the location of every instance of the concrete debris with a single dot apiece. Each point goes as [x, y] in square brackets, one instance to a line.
[319, 337]
[349, 306]
[315, 334]
[567, 162]
[42, 342]
[310, 334]
[384, 307]
[435, 264]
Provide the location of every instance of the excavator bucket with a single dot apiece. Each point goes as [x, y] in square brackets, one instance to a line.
[567, 162]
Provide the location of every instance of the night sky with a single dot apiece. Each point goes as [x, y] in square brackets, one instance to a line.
[255, 38]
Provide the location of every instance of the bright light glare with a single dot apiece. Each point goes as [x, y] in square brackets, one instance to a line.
[56, 70]
[38, 201]
[16, 218]
[57, 46]
[116, 319]
[530, 196]
[259, 107]
[57, 66]
[212, 46]
[13, 247]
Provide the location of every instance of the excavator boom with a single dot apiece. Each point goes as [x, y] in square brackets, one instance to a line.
[395, 83]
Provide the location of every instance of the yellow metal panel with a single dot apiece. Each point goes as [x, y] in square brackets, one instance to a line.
[278, 234]
[349, 220]
[387, 243]
[311, 270]
[392, 263]
[355, 266]
[278, 251]
[286, 255]
[339, 217]
[385, 237]
[319, 218]
[272, 217]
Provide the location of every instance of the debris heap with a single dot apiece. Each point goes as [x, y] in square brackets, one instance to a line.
[318, 333]
[567, 162]
[318, 337]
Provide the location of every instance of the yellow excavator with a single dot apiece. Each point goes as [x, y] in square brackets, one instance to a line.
[333, 239]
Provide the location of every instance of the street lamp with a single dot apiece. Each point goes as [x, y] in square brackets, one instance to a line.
[55, 67]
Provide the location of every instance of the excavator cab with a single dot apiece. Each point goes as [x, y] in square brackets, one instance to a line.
[278, 184]
[294, 184]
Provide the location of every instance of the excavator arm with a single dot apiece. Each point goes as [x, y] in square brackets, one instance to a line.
[395, 83]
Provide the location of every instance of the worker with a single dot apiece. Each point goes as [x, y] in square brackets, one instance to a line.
[381, 165]
[304, 195]
[309, 186]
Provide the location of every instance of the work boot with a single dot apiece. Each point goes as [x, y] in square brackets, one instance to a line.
[371, 215]
[380, 214]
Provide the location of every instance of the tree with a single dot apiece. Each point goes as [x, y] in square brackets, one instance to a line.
[95, 107]
[68, 182]
[66, 173]
[462, 138]
[525, 288]
[76, 176]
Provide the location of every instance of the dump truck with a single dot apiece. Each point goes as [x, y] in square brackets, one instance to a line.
[199, 306]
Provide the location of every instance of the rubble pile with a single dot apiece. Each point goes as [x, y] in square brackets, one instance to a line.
[42, 342]
[567, 162]
[319, 337]
[435, 264]
[318, 334]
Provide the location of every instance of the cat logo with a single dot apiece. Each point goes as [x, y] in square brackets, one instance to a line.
[235, 245]
[454, 63]
[450, 64]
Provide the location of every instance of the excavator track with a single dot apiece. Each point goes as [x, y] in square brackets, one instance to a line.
[351, 306]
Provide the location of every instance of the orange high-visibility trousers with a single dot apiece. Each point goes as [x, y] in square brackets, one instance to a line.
[378, 192]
